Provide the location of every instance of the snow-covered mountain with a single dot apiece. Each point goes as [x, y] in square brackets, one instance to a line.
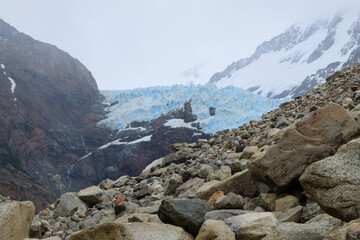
[215, 108]
[297, 60]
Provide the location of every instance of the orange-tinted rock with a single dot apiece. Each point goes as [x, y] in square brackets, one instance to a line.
[119, 199]
[215, 197]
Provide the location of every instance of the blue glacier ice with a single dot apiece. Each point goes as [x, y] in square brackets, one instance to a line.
[234, 106]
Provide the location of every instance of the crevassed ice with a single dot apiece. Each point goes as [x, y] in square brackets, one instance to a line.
[234, 106]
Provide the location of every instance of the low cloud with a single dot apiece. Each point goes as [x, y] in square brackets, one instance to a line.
[192, 72]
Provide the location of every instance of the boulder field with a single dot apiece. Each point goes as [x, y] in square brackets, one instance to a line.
[294, 174]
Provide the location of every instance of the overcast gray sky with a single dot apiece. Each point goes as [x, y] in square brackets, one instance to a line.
[139, 43]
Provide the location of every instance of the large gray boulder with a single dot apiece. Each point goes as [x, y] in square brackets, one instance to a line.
[311, 139]
[335, 182]
[15, 219]
[241, 183]
[68, 204]
[346, 231]
[131, 231]
[316, 229]
[188, 214]
[91, 195]
[252, 226]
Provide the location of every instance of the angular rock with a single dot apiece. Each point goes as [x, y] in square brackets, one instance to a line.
[241, 183]
[282, 122]
[316, 230]
[230, 201]
[68, 204]
[188, 214]
[121, 181]
[311, 139]
[91, 195]
[310, 210]
[285, 203]
[335, 182]
[120, 208]
[268, 201]
[173, 183]
[206, 186]
[138, 217]
[344, 232]
[252, 226]
[224, 214]
[223, 173]
[291, 215]
[35, 228]
[214, 229]
[103, 216]
[106, 184]
[131, 231]
[249, 151]
[215, 197]
[205, 170]
[15, 219]
[151, 208]
[178, 157]
[192, 186]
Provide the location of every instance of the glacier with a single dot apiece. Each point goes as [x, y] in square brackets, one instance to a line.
[234, 106]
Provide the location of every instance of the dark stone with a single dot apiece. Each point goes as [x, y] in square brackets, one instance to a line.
[141, 193]
[224, 214]
[188, 214]
[239, 148]
[100, 206]
[185, 175]
[212, 111]
[282, 123]
[120, 208]
[134, 219]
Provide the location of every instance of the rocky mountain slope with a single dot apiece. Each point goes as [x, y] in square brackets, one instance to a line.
[48, 100]
[294, 174]
[299, 59]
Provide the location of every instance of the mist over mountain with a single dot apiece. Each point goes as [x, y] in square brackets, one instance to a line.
[297, 60]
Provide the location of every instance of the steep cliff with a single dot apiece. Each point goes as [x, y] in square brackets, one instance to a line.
[48, 100]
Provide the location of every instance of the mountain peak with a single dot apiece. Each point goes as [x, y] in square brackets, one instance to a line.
[297, 60]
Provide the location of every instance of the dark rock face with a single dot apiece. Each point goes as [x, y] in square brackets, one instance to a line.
[188, 214]
[44, 119]
[131, 158]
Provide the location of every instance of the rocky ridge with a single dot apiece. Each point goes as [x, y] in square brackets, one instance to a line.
[267, 179]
